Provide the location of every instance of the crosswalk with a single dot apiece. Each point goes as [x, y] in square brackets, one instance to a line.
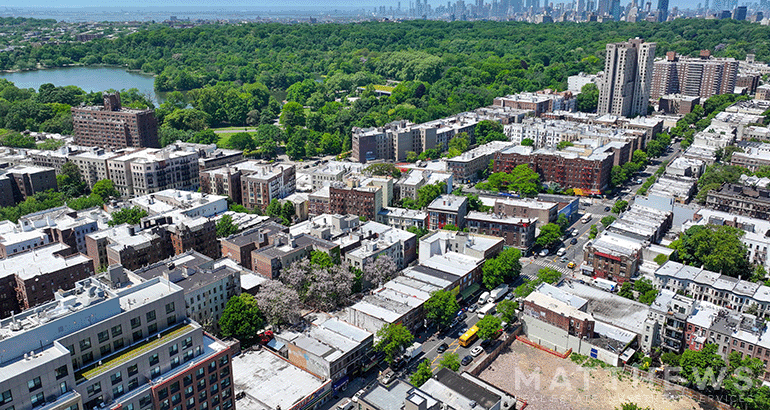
[546, 264]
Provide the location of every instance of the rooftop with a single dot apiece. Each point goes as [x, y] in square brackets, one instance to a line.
[270, 382]
[458, 392]
[609, 307]
[190, 270]
[41, 261]
[448, 203]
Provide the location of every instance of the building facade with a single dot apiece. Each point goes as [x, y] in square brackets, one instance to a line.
[112, 126]
[628, 68]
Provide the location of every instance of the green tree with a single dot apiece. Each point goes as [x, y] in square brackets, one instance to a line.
[631, 406]
[507, 310]
[484, 128]
[661, 259]
[292, 115]
[241, 141]
[550, 233]
[618, 176]
[626, 291]
[131, 216]
[441, 307]
[226, 227]
[242, 319]
[670, 358]
[697, 365]
[450, 361]
[288, 210]
[562, 221]
[620, 206]
[459, 142]
[70, 181]
[593, 232]
[105, 188]
[607, 220]
[505, 267]
[528, 142]
[393, 338]
[564, 144]
[420, 232]
[321, 259]
[274, 208]
[488, 326]
[716, 248]
[422, 375]
[639, 157]
[588, 99]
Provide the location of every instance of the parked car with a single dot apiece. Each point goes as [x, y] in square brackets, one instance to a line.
[442, 348]
[573, 241]
[466, 360]
[544, 252]
[575, 232]
[472, 308]
[476, 351]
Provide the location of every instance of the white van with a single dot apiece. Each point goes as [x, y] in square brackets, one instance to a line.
[488, 309]
[561, 252]
[345, 404]
[483, 298]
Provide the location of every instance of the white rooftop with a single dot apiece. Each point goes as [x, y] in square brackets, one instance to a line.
[40, 261]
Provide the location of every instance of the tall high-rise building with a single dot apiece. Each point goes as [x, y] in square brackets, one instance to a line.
[663, 10]
[625, 90]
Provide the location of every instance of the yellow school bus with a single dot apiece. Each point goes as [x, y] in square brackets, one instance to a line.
[469, 337]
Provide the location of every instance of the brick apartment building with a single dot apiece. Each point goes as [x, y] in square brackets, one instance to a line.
[529, 208]
[699, 77]
[250, 183]
[286, 249]
[23, 181]
[41, 272]
[199, 234]
[517, 232]
[362, 201]
[238, 247]
[557, 313]
[737, 199]
[567, 169]
[112, 126]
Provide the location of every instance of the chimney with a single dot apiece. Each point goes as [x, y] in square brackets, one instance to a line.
[671, 56]
[705, 54]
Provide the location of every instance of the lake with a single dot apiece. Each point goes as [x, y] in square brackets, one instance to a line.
[88, 78]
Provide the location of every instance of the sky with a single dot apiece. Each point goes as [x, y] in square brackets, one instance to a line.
[256, 4]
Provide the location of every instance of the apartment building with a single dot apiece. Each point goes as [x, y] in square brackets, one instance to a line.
[517, 232]
[403, 218]
[678, 103]
[467, 166]
[755, 231]
[128, 246]
[527, 208]
[408, 185]
[399, 245]
[569, 169]
[113, 126]
[60, 224]
[238, 247]
[741, 200]
[185, 203]
[539, 102]
[23, 181]
[285, 249]
[448, 210]
[642, 223]
[628, 72]
[701, 76]
[208, 284]
[364, 201]
[108, 344]
[666, 322]
[612, 256]
[477, 246]
[40, 272]
[93, 163]
[266, 183]
[754, 155]
[334, 171]
[151, 170]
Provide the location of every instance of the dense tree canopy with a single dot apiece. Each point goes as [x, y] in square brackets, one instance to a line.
[716, 248]
[441, 307]
[241, 319]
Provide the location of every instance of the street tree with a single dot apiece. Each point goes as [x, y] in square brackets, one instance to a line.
[279, 303]
[607, 220]
[507, 310]
[488, 326]
[242, 319]
[588, 99]
[130, 216]
[292, 115]
[627, 291]
[393, 338]
[620, 206]
[422, 375]
[505, 267]
[380, 270]
[550, 233]
[450, 361]
[441, 307]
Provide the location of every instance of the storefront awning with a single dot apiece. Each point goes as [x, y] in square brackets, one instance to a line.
[469, 291]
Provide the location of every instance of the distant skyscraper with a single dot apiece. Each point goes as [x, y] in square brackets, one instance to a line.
[663, 8]
[739, 13]
[625, 90]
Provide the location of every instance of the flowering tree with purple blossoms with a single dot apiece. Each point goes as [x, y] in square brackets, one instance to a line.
[279, 303]
[380, 270]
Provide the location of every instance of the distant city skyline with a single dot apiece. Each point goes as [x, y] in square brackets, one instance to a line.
[262, 5]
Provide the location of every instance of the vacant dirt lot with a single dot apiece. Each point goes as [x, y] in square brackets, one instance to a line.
[547, 382]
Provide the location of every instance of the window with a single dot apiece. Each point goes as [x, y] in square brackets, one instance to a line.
[202, 395]
[132, 370]
[116, 378]
[173, 349]
[174, 387]
[176, 399]
[138, 335]
[61, 372]
[175, 362]
[150, 316]
[154, 359]
[223, 360]
[152, 328]
[155, 372]
[214, 389]
[85, 344]
[7, 397]
[224, 372]
[103, 336]
[169, 307]
[118, 344]
[187, 343]
[213, 378]
[117, 330]
[38, 400]
[130, 406]
[171, 320]
[133, 383]
[213, 366]
[200, 373]
[34, 384]
[188, 391]
[136, 322]
[201, 384]
[225, 382]
[162, 393]
[187, 380]
[94, 389]
[191, 401]
[188, 355]
[105, 350]
[145, 401]
[117, 391]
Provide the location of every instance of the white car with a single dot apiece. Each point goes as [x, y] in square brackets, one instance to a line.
[544, 252]
[476, 351]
